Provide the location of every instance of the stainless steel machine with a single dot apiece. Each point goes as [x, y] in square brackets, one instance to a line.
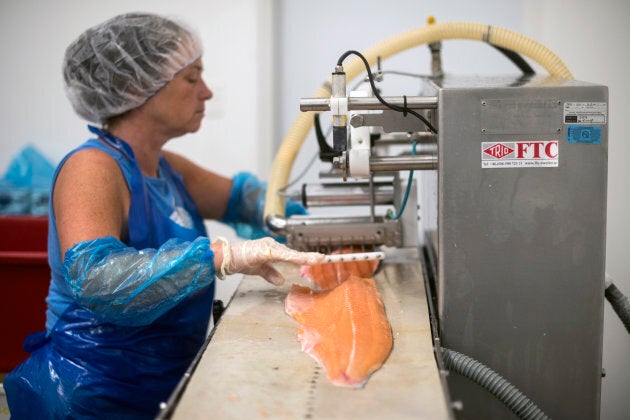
[512, 216]
[520, 246]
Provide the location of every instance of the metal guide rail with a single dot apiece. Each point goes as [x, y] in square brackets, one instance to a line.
[252, 367]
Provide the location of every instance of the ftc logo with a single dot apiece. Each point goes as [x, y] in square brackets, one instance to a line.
[523, 149]
[519, 154]
[537, 150]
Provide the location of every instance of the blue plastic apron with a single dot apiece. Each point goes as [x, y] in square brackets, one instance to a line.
[85, 368]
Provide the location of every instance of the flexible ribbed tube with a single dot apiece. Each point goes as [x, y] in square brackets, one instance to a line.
[283, 162]
[498, 386]
[620, 304]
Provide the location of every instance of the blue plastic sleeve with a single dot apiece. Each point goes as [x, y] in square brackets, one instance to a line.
[126, 286]
[246, 207]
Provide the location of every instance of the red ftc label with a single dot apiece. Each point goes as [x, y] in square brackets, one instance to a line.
[519, 154]
[537, 150]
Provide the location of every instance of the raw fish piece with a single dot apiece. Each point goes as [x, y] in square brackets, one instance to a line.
[328, 276]
[345, 329]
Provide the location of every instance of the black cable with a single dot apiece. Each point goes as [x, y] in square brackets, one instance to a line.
[307, 167]
[326, 153]
[493, 382]
[378, 96]
[517, 60]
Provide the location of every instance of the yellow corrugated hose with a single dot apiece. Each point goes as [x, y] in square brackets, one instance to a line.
[501, 37]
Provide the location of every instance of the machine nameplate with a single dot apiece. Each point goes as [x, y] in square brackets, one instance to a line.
[519, 154]
[585, 112]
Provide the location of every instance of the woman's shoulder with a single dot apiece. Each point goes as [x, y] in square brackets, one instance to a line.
[88, 157]
[90, 165]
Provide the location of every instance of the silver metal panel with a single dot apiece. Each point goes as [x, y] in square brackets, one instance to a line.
[515, 116]
[308, 233]
[521, 250]
[253, 366]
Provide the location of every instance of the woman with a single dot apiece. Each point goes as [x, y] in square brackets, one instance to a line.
[132, 267]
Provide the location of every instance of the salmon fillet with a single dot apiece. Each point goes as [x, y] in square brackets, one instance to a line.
[345, 329]
[328, 276]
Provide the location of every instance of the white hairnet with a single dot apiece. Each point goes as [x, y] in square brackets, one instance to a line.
[117, 65]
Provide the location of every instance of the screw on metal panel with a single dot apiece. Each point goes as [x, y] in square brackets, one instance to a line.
[483, 103]
[483, 130]
[357, 120]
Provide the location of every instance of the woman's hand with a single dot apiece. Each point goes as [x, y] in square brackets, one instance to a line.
[255, 257]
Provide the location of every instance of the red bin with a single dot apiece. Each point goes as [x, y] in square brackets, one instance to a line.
[24, 281]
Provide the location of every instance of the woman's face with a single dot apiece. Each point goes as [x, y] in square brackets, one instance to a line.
[178, 107]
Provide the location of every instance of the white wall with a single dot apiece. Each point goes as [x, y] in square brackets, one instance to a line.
[35, 110]
[591, 37]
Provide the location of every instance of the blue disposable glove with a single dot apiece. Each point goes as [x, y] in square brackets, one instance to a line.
[126, 286]
[246, 207]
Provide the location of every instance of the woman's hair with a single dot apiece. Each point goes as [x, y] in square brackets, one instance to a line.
[119, 64]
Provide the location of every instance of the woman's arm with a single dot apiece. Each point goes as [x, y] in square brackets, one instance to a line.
[127, 286]
[90, 199]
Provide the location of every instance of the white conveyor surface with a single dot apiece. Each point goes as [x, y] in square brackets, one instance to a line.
[253, 367]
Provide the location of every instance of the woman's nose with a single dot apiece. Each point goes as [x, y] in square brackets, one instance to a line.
[206, 93]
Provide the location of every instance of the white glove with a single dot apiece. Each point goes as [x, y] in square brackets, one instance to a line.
[254, 257]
